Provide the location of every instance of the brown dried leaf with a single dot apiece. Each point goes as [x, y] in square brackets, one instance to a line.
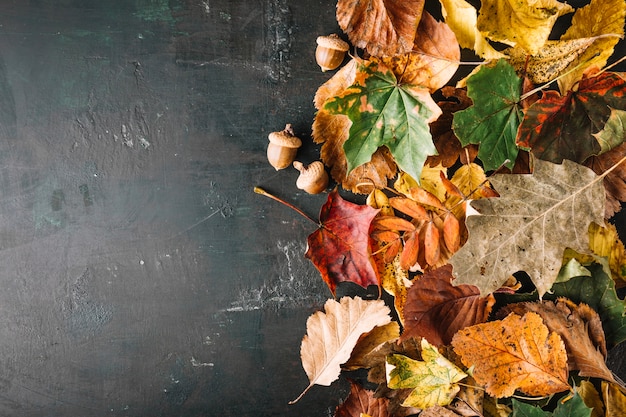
[514, 353]
[361, 401]
[382, 27]
[580, 328]
[434, 58]
[436, 310]
[615, 181]
[365, 353]
[332, 335]
[332, 130]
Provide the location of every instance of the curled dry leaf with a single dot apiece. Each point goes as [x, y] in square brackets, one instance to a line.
[332, 335]
[436, 309]
[382, 27]
[434, 58]
[514, 353]
[580, 329]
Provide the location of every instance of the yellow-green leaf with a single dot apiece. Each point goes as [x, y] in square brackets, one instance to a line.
[433, 380]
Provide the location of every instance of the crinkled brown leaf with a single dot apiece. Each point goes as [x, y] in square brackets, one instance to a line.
[436, 309]
[331, 336]
[382, 27]
[580, 328]
[332, 130]
[340, 248]
[434, 58]
[615, 181]
[527, 228]
[514, 353]
[361, 401]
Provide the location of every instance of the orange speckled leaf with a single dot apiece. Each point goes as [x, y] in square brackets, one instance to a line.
[340, 248]
[514, 353]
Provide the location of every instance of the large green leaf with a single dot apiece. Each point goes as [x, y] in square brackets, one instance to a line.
[493, 119]
[384, 112]
[573, 407]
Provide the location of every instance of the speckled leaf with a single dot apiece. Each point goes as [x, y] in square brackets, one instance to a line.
[526, 23]
[433, 379]
[527, 228]
[603, 19]
[514, 353]
[571, 126]
[385, 113]
[492, 121]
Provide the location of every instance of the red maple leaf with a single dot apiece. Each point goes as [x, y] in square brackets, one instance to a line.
[564, 127]
[340, 248]
[435, 309]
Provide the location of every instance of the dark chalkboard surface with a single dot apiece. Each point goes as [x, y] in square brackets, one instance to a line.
[139, 274]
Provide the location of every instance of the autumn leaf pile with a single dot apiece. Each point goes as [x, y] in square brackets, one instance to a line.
[486, 220]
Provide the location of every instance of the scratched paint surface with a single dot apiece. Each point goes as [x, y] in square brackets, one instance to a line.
[140, 275]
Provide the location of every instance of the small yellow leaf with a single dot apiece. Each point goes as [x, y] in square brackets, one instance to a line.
[591, 398]
[525, 23]
[605, 242]
[433, 380]
[461, 17]
[379, 200]
[614, 399]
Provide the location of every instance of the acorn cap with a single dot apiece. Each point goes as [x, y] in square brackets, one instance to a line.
[285, 138]
[332, 42]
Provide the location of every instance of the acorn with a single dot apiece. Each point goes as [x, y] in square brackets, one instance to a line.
[313, 178]
[282, 148]
[330, 52]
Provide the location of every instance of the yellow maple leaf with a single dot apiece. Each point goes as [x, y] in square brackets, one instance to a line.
[433, 380]
[514, 353]
[525, 23]
[461, 17]
[599, 17]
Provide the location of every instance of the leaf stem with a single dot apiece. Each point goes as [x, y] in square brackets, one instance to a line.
[261, 191]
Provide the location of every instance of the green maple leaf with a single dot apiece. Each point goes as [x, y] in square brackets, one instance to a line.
[492, 121]
[573, 407]
[385, 112]
[433, 380]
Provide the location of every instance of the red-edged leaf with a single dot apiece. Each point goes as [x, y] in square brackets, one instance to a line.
[563, 127]
[431, 243]
[340, 249]
[409, 207]
[435, 309]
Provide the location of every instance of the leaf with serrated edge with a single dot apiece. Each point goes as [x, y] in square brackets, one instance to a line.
[527, 228]
[332, 335]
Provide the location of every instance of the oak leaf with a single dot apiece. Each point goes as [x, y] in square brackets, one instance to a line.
[433, 379]
[492, 121]
[361, 401]
[433, 59]
[435, 309]
[580, 328]
[385, 113]
[382, 27]
[340, 248]
[527, 228]
[332, 335]
[594, 20]
[462, 19]
[571, 126]
[525, 23]
[514, 353]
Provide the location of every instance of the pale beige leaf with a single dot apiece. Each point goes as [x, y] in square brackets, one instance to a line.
[332, 335]
[525, 23]
[599, 17]
[528, 227]
[461, 17]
